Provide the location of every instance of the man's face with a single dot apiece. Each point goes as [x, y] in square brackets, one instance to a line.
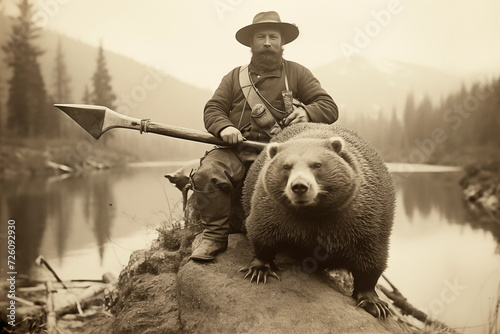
[266, 39]
[267, 50]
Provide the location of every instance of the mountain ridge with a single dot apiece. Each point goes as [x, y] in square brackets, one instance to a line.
[384, 84]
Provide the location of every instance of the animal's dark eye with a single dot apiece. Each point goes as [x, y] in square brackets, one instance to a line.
[287, 166]
[316, 165]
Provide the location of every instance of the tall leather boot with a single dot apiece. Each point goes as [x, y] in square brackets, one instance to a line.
[214, 208]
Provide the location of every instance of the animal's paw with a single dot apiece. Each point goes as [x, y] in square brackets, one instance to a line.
[374, 305]
[260, 270]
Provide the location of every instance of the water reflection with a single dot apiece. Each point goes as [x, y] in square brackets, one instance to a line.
[445, 262]
[67, 219]
[26, 203]
[36, 204]
[424, 192]
[99, 210]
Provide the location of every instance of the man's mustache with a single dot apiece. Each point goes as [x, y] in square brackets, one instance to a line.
[266, 50]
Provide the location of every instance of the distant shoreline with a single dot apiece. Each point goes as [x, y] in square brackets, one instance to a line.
[400, 167]
[39, 157]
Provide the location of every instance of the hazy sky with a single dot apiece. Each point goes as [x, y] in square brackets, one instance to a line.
[194, 40]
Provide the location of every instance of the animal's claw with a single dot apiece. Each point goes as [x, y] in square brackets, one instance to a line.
[375, 306]
[260, 271]
[378, 311]
[273, 274]
[248, 272]
[253, 276]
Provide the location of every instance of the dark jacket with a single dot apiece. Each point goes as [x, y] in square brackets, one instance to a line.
[228, 106]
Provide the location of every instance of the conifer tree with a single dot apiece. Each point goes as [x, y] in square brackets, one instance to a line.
[102, 93]
[496, 110]
[61, 93]
[1, 93]
[86, 99]
[409, 118]
[27, 108]
[2, 109]
[1, 116]
[62, 80]
[423, 119]
[395, 130]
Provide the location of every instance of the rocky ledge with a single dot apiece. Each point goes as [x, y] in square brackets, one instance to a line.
[481, 192]
[160, 291]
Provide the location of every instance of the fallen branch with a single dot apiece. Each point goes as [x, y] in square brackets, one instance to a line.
[86, 297]
[95, 164]
[70, 305]
[407, 309]
[70, 285]
[24, 301]
[40, 260]
[60, 167]
[51, 314]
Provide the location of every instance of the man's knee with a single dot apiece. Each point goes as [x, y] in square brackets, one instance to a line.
[219, 169]
[206, 179]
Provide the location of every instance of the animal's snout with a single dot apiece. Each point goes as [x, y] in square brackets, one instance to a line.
[299, 187]
[302, 188]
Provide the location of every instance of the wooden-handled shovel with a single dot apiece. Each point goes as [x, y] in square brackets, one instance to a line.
[97, 119]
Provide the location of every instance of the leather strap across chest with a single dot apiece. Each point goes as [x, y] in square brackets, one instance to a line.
[248, 88]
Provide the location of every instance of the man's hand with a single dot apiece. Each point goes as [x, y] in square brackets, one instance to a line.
[298, 115]
[231, 135]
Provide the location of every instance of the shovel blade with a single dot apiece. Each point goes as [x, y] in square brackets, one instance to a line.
[89, 117]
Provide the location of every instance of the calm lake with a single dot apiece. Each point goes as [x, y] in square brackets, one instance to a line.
[443, 259]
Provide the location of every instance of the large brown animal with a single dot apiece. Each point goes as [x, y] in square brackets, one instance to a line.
[322, 192]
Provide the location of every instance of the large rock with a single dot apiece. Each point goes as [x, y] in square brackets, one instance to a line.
[145, 299]
[161, 292]
[214, 298]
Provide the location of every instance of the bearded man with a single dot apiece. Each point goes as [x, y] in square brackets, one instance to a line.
[269, 88]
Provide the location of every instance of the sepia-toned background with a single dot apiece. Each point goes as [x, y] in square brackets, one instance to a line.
[419, 79]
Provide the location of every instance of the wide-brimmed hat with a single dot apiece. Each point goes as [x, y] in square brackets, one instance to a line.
[289, 31]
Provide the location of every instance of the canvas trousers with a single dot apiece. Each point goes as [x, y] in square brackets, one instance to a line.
[220, 171]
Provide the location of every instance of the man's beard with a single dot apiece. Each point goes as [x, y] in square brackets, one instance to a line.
[267, 60]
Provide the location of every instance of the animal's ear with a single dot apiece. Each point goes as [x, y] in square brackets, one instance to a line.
[337, 143]
[272, 149]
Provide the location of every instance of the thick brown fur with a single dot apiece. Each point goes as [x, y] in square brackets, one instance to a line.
[347, 225]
